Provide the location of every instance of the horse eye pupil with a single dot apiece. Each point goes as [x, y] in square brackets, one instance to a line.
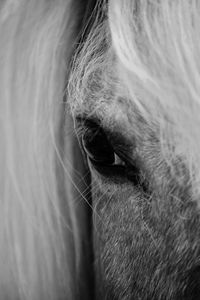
[97, 146]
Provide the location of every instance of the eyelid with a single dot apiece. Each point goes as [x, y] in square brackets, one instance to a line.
[82, 125]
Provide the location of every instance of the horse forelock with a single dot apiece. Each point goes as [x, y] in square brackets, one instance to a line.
[157, 47]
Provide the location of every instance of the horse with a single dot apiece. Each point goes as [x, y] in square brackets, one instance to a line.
[99, 160]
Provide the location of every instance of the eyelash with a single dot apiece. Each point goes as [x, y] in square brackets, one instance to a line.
[102, 156]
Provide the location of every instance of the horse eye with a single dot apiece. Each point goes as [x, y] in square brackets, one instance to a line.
[96, 145]
[102, 155]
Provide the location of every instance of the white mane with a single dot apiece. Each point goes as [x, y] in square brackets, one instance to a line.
[39, 254]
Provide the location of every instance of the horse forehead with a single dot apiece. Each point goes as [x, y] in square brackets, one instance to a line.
[110, 108]
[116, 113]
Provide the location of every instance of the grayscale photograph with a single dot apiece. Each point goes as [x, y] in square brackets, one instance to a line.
[99, 149]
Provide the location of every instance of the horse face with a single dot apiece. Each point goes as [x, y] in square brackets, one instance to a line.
[146, 226]
[145, 215]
